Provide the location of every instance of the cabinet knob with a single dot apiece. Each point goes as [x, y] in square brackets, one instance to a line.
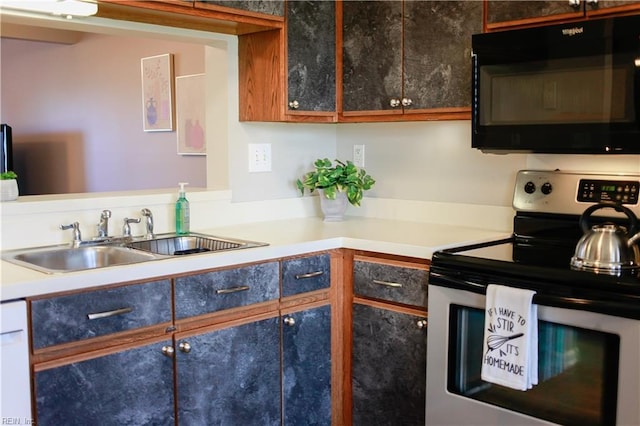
[422, 324]
[294, 104]
[184, 347]
[574, 3]
[289, 321]
[394, 103]
[167, 351]
[406, 102]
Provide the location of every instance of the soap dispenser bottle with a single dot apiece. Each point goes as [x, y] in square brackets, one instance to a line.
[182, 212]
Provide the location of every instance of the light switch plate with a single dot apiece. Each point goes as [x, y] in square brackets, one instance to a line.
[358, 155]
[259, 157]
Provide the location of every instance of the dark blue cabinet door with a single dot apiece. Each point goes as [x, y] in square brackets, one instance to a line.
[132, 387]
[306, 341]
[230, 376]
[389, 367]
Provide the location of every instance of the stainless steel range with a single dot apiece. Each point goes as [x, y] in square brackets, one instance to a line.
[588, 318]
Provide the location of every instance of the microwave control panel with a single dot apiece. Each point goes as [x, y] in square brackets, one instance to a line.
[596, 191]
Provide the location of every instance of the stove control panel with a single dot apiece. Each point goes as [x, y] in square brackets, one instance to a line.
[619, 191]
[547, 191]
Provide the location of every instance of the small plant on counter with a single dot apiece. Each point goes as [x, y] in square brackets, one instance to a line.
[8, 175]
[341, 177]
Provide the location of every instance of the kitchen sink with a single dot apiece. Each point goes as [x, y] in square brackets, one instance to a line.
[68, 259]
[176, 245]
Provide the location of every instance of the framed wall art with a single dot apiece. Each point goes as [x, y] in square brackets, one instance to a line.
[190, 114]
[157, 93]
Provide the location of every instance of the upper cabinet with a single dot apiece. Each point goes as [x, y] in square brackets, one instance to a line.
[268, 7]
[407, 60]
[507, 13]
[311, 59]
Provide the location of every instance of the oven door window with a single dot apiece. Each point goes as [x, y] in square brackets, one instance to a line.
[577, 371]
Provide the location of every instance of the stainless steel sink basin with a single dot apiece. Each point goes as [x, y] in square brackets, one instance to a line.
[67, 259]
[175, 245]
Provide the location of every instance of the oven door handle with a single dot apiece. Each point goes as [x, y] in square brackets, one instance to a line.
[593, 304]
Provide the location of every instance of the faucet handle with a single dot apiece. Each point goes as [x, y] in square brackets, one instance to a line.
[126, 228]
[149, 222]
[77, 237]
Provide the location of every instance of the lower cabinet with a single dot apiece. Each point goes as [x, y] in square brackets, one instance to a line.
[230, 376]
[131, 387]
[388, 367]
[306, 364]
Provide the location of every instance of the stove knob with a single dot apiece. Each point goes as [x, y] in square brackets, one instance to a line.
[546, 188]
[529, 187]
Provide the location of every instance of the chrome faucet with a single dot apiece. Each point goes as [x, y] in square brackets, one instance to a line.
[103, 225]
[149, 223]
[77, 237]
[126, 228]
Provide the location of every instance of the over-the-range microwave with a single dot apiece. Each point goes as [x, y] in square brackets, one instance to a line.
[567, 89]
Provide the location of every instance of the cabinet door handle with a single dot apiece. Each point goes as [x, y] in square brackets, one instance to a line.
[107, 314]
[289, 321]
[422, 324]
[309, 275]
[394, 103]
[388, 284]
[232, 289]
[294, 104]
[184, 347]
[407, 102]
[167, 351]
[574, 3]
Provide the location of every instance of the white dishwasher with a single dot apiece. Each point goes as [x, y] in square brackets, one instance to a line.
[15, 392]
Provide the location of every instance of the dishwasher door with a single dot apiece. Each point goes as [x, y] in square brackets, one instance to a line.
[15, 393]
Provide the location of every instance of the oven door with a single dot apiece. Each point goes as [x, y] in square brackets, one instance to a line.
[588, 368]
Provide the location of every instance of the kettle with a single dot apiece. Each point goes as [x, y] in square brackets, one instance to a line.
[607, 248]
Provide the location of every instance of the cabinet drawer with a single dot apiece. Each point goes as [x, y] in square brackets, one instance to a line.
[306, 274]
[81, 316]
[392, 283]
[218, 290]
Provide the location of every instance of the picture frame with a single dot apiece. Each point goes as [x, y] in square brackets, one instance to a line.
[157, 93]
[191, 114]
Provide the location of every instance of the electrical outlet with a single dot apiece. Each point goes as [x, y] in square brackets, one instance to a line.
[358, 155]
[259, 157]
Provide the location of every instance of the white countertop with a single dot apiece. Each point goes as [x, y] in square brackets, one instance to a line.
[285, 238]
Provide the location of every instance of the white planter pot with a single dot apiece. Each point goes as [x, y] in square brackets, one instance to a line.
[334, 210]
[8, 190]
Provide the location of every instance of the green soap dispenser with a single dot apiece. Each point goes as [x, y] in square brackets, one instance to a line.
[182, 212]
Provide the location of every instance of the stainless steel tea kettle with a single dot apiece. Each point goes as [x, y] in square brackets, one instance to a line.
[607, 248]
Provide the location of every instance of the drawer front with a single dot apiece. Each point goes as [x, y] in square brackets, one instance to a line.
[215, 291]
[305, 274]
[392, 283]
[82, 316]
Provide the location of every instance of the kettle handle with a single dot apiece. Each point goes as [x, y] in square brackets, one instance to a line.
[584, 219]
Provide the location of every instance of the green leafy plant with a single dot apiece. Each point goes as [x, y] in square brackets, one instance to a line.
[8, 175]
[336, 178]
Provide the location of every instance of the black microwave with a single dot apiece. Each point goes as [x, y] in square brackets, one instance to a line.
[564, 89]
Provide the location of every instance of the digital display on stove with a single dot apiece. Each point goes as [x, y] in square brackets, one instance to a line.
[596, 191]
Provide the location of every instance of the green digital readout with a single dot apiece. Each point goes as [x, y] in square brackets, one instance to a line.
[608, 188]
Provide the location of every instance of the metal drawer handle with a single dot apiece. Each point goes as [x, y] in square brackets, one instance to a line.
[233, 289]
[309, 275]
[108, 314]
[387, 283]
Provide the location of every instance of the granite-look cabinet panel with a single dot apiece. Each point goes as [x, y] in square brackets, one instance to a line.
[311, 55]
[389, 368]
[90, 314]
[231, 376]
[508, 10]
[306, 364]
[372, 54]
[437, 52]
[304, 274]
[214, 291]
[132, 387]
[268, 7]
[391, 283]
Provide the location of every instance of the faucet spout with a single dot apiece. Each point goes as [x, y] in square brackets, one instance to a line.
[103, 225]
[149, 223]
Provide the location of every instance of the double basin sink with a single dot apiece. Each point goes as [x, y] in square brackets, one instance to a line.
[121, 251]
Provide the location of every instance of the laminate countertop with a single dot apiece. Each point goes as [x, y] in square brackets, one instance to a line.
[284, 237]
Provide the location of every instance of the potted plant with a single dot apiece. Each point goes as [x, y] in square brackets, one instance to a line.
[8, 186]
[338, 184]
